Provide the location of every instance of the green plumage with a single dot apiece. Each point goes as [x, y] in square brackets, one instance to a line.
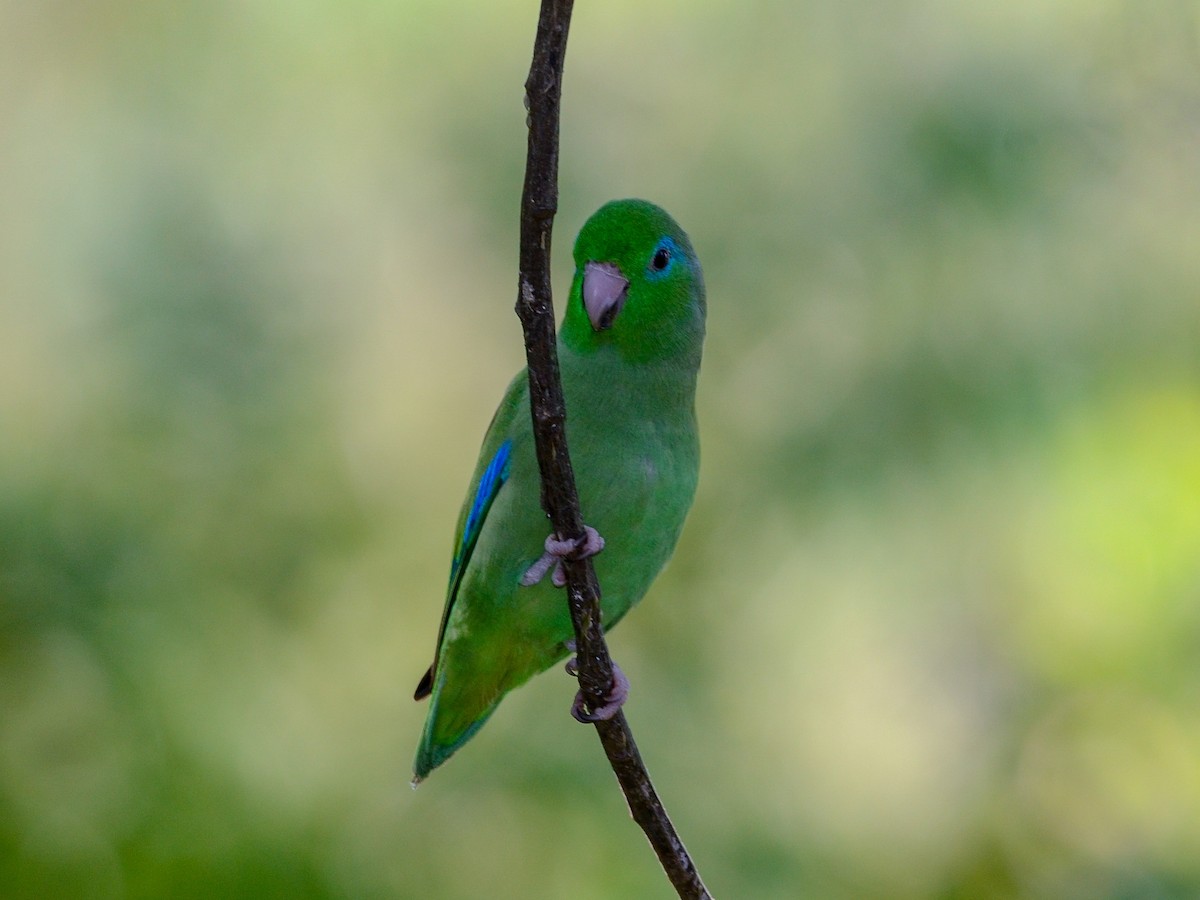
[629, 378]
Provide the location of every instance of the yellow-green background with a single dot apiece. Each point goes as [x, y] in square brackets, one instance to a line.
[934, 626]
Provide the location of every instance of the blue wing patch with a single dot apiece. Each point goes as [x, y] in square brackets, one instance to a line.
[489, 485]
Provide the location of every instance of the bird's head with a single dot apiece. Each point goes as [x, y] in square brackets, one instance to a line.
[638, 286]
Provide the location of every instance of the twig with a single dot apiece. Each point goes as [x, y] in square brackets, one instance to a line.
[539, 203]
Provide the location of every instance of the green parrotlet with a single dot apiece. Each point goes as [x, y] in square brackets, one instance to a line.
[629, 354]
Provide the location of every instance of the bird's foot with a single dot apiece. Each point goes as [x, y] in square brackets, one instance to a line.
[618, 693]
[556, 551]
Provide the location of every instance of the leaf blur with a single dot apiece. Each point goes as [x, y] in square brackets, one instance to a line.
[933, 627]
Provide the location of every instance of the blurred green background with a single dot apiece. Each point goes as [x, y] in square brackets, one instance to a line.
[933, 630]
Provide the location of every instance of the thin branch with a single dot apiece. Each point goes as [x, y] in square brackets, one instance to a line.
[539, 203]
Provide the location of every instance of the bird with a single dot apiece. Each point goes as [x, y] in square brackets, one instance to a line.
[629, 352]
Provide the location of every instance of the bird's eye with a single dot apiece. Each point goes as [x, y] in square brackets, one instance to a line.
[662, 258]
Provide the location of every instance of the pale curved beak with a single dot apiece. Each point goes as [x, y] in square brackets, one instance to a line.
[604, 292]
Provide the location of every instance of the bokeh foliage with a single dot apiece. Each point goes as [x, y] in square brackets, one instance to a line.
[934, 627]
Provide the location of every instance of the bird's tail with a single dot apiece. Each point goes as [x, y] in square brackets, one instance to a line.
[452, 721]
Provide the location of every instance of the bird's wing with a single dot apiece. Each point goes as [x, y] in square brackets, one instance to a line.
[491, 471]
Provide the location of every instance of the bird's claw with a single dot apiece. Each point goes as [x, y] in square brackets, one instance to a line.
[556, 551]
[618, 693]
